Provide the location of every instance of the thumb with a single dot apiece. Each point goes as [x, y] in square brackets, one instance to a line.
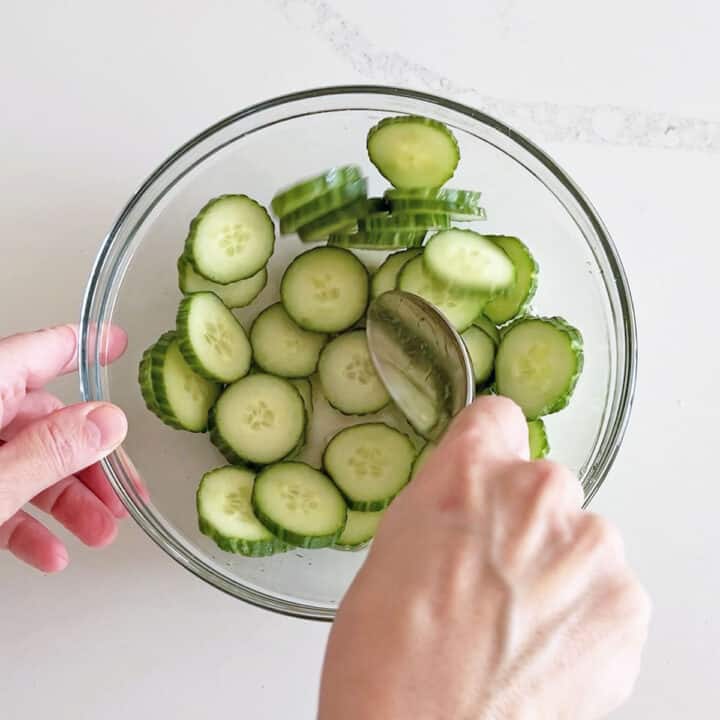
[55, 447]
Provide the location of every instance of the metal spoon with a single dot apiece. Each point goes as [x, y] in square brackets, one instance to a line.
[421, 360]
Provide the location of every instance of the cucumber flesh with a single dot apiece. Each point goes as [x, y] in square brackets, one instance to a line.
[538, 439]
[370, 463]
[481, 349]
[235, 295]
[299, 505]
[280, 347]
[303, 386]
[515, 300]
[305, 191]
[465, 259]
[325, 289]
[344, 219]
[538, 363]
[413, 152]
[348, 377]
[225, 514]
[230, 239]
[488, 328]
[359, 530]
[422, 457]
[211, 339]
[385, 277]
[259, 419]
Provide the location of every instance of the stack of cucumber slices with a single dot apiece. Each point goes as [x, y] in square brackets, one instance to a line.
[252, 391]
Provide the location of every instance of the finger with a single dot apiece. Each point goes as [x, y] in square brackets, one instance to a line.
[79, 510]
[94, 479]
[54, 448]
[31, 542]
[30, 360]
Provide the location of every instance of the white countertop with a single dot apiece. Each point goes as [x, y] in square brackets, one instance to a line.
[623, 95]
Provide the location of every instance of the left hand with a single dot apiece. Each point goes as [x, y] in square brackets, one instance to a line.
[49, 453]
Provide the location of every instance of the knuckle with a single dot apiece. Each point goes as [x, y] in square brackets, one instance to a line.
[59, 448]
[601, 534]
[9, 504]
[550, 480]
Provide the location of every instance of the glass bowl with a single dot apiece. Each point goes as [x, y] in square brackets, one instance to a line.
[267, 147]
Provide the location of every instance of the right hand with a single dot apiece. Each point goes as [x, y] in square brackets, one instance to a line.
[488, 593]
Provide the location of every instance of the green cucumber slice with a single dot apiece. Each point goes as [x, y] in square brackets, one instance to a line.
[211, 339]
[417, 222]
[413, 151]
[459, 306]
[230, 239]
[348, 377]
[333, 199]
[299, 505]
[519, 295]
[325, 289]
[235, 295]
[470, 261]
[305, 191]
[538, 439]
[385, 277]
[370, 463]
[538, 363]
[344, 219]
[145, 381]
[280, 347]
[225, 514]
[488, 328]
[378, 239]
[461, 205]
[422, 458]
[182, 398]
[303, 386]
[359, 530]
[259, 419]
[481, 349]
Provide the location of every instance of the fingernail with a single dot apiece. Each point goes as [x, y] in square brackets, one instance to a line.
[111, 425]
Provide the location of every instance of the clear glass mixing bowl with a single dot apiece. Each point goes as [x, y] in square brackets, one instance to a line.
[267, 147]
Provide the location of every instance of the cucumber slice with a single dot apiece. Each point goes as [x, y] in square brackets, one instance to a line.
[359, 530]
[333, 199]
[370, 463]
[468, 260]
[259, 419]
[325, 289]
[182, 398]
[385, 277]
[145, 381]
[481, 349]
[488, 328]
[282, 348]
[417, 222]
[538, 364]
[516, 299]
[348, 377]
[459, 306]
[344, 219]
[230, 239]
[413, 152]
[304, 192]
[225, 514]
[235, 295]
[378, 239]
[299, 505]
[211, 339]
[538, 439]
[461, 205]
[422, 458]
[303, 386]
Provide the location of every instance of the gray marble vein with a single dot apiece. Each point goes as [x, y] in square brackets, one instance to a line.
[594, 124]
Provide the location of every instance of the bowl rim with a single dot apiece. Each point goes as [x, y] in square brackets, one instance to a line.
[87, 363]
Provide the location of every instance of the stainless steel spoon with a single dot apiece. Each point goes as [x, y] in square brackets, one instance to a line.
[421, 360]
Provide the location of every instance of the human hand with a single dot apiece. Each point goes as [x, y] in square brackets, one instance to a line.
[48, 453]
[487, 593]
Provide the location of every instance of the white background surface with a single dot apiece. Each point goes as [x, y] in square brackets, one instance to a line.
[625, 95]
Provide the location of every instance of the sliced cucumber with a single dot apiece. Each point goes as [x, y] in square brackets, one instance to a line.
[282, 348]
[417, 222]
[465, 259]
[359, 530]
[348, 377]
[145, 381]
[299, 505]
[459, 306]
[413, 152]
[422, 458]
[378, 239]
[385, 277]
[303, 386]
[333, 199]
[259, 419]
[325, 289]
[304, 192]
[481, 349]
[519, 295]
[344, 219]
[230, 239]
[461, 205]
[538, 439]
[370, 463]
[211, 339]
[538, 363]
[234, 295]
[225, 514]
[488, 328]
[181, 397]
